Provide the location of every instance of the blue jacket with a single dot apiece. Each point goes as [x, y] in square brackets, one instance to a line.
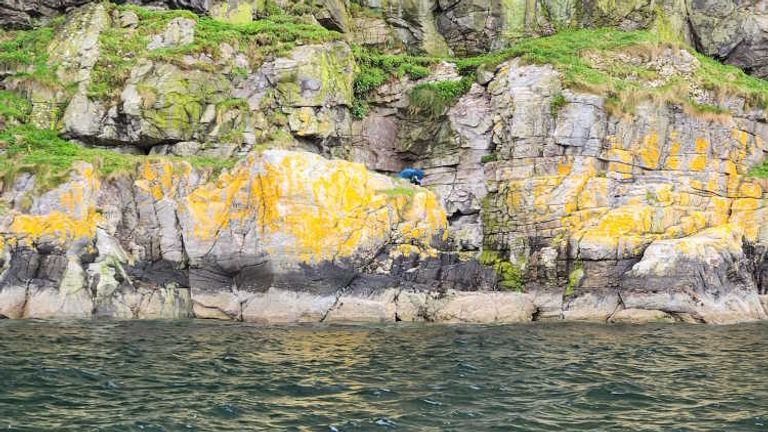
[410, 173]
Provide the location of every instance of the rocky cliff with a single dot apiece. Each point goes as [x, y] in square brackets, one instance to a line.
[236, 160]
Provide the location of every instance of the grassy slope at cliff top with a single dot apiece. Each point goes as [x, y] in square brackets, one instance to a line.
[50, 158]
[624, 85]
[121, 47]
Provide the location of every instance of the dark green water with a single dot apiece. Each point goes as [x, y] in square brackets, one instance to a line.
[208, 376]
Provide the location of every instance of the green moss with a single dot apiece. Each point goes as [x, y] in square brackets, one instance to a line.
[242, 14]
[239, 72]
[707, 109]
[574, 279]
[375, 69]
[231, 104]
[122, 48]
[729, 80]
[760, 171]
[510, 276]
[359, 109]
[397, 191]
[433, 99]
[623, 84]
[25, 53]
[14, 108]
[43, 153]
[493, 157]
[558, 102]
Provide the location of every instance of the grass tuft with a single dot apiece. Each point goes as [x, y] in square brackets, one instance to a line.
[14, 108]
[25, 53]
[510, 276]
[43, 153]
[433, 99]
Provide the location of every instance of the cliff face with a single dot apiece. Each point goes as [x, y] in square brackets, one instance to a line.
[235, 160]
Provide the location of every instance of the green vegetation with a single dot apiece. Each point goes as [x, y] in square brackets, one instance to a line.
[14, 108]
[760, 171]
[122, 48]
[434, 98]
[358, 8]
[375, 69]
[232, 103]
[398, 191]
[587, 61]
[25, 53]
[625, 84]
[43, 153]
[510, 275]
[493, 157]
[294, 7]
[558, 102]
[574, 278]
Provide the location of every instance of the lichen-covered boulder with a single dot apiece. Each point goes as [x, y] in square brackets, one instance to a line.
[413, 23]
[166, 241]
[707, 276]
[732, 31]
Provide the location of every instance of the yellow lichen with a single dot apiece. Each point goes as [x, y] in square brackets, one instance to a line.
[311, 208]
[649, 151]
[55, 226]
[698, 163]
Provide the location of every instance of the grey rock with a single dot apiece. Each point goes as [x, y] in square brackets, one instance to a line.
[180, 31]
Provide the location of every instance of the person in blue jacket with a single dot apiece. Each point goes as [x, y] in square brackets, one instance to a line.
[414, 175]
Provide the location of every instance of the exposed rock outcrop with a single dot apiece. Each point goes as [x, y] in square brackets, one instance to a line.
[157, 164]
[167, 241]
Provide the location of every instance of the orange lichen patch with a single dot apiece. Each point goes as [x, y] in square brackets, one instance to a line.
[313, 209]
[514, 200]
[698, 163]
[648, 154]
[55, 226]
[72, 198]
[750, 190]
[542, 192]
[724, 237]
[664, 195]
[701, 145]
[692, 223]
[564, 168]
[157, 178]
[713, 184]
[624, 170]
[426, 208]
[619, 155]
[748, 216]
[746, 204]
[212, 206]
[622, 221]
[672, 163]
[720, 208]
[743, 137]
[729, 167]
[673, 154]
[409, 250]
[578, 220]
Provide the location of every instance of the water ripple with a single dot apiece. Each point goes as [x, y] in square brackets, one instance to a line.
[209, 376]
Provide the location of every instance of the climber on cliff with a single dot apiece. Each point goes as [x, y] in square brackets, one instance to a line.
[414, 175]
